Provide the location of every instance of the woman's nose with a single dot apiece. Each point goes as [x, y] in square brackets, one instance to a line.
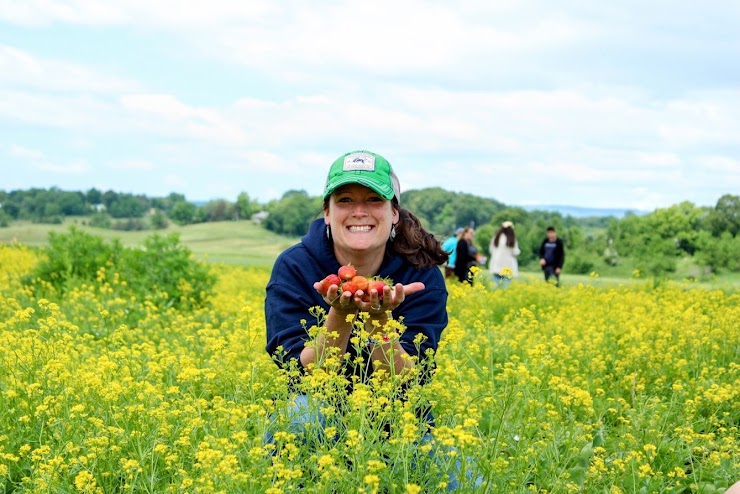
[360, 209]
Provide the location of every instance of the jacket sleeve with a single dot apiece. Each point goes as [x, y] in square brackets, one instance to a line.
[561, 255]
[287, 303]
[424, 313]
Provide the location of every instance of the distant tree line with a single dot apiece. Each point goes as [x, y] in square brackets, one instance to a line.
[707, 239]
[118, 210]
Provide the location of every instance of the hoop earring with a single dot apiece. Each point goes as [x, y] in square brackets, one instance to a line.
[328, 232]
[393, 233]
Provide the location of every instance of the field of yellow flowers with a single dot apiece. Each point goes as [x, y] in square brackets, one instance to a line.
[628, 389]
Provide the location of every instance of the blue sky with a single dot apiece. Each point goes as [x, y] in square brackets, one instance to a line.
[600, 104]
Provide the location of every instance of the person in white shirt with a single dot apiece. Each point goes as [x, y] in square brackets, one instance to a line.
[504, 250]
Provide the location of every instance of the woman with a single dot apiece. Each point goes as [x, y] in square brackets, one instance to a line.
[504, 250]
[467, 255]
[363, 225]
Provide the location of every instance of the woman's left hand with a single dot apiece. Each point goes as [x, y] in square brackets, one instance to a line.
[375, 302]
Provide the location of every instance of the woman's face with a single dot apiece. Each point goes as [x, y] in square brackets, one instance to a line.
[360, 219]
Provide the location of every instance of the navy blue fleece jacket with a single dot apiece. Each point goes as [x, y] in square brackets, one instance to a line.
[290, 295]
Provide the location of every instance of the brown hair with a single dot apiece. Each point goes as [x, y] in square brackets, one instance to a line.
[510, 236]
[420, 248]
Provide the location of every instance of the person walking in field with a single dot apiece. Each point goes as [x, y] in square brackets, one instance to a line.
[552, 255]
[504, 249]
[365, 227]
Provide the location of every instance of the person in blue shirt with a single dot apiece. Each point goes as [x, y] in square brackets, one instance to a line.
[450, 246]
[363, 225]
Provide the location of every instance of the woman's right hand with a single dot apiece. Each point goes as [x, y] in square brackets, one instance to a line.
[337, 300]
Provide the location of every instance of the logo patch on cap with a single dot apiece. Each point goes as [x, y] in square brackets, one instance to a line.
[359, 162]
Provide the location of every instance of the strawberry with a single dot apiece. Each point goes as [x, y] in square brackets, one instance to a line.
[347, 272]
[360, 282]
[327, 282]
[349, 286]
[379, 285]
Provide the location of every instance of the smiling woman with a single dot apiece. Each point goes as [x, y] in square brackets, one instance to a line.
[366, 335]
[364, 226]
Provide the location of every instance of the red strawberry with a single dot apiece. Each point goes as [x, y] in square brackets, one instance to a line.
[360, 282]
[327, 282]
[379, 285]
[349, 286]
[347, 272]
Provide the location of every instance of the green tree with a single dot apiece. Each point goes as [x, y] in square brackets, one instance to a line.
[158, 220]
[244, 207]
[218, 210]
[719, 253]
[128, 206]
[725, 217]
[292, 214]
[183, 213]
[94, 197]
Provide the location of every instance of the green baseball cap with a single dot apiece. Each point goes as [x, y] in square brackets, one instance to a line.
[364, 168]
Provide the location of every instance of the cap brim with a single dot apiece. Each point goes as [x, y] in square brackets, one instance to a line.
[384, 191]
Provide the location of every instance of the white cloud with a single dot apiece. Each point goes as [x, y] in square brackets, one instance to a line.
[175, 182]
[19, 68]
[25, 153]
[161, 13]
[132, 164]
[164, 113]
[74, 168]
[720, 164]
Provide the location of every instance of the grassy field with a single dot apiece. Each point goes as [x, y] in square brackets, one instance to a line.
[230, 242]
[244, 243]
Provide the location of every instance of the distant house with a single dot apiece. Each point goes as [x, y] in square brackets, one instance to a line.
[258, 217]
[99, 207]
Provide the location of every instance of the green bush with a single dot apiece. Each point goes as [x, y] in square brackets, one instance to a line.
[163, 270]
[100, 220]
[4, 219]
[579, 261]
[129, 225]
[164, 265]
[75, 256]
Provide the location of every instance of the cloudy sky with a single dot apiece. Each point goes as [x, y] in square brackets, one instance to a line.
[597, 104]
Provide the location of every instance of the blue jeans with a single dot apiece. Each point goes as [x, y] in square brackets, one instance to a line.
[307, 422]
[501, 281]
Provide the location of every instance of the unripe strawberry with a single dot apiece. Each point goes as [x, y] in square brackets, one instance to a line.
[360, 282]
[347, 272]
[327, 282]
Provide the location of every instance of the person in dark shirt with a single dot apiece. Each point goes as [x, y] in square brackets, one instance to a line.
[466, 255]
[552, 255]
[364, 226]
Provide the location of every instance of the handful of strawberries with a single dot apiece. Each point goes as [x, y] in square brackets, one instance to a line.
[348, 280]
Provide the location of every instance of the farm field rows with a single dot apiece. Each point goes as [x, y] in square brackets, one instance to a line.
[618, 388]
